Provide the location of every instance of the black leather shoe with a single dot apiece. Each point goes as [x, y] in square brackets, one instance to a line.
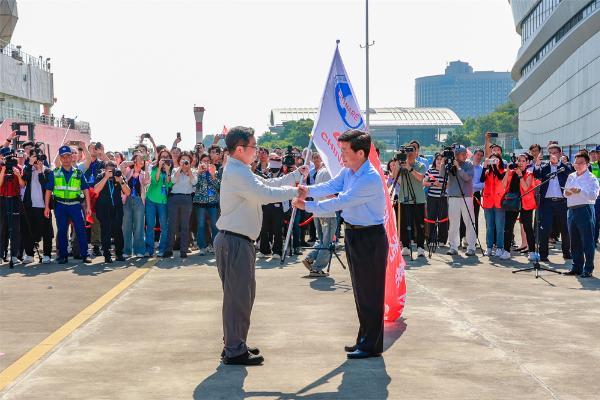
[251, 350]
[567, 257]
[571, 272]
[357, 354]
[96, 251]
[183, 255]
[349, 349]
[244, 359]
[108, 259]
[586, 275]
[87, 260]
[62, 260]
[120, 258]
[167, 254]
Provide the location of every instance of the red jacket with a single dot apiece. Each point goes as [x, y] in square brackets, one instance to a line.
[493, 190]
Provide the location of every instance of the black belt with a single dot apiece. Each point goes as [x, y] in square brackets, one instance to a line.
[350, 226]
[556, 198]
[239, 235]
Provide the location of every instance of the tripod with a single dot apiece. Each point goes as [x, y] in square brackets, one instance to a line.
[408, 191]
[468, 212]
[536, 259]
[332, 252]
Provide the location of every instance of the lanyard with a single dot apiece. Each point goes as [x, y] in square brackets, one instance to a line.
[111, 189]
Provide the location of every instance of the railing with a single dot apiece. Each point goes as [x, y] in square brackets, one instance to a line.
[10, 50]
[27, 116]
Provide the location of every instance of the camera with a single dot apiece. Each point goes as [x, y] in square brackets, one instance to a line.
[39, 154]
[10, 161]
[493, 134]
[546, 157]
[117, 173]
[448, 153]
[402, 153]
[185, 162]
[289, 160]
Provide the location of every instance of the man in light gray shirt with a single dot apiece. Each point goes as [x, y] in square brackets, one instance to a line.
[242, 195]
[460, 201]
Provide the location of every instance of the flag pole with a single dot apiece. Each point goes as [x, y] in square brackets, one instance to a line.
[293, 214]
[366, 47]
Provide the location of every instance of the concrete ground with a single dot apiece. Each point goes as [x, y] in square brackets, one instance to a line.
[471, 330]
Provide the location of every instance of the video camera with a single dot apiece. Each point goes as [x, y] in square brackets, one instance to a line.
[38, 153]
[289, 160]
[513, 162]
[402, 154]
[10, 161]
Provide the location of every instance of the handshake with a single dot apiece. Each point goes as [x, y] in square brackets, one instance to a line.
[299, 201]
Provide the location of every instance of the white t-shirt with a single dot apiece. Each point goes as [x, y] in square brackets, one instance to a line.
[37, 194]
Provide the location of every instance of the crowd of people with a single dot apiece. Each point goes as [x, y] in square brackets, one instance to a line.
[440, 203]
[158, 201]
[163, 200]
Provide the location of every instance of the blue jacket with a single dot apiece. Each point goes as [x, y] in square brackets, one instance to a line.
[542, 172]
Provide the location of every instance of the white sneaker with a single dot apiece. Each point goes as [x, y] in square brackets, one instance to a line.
[46, 260]
[15, 261]
[452, 252]
[505, 255]
[499, 252]
[420, 252]
[139, 255]
[405, 251]
[262, 255]
[210, 250]
[27, 259]
[489, 252]
[201, 252]
[470, 252]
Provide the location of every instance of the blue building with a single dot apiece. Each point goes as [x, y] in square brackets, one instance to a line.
[469, 94]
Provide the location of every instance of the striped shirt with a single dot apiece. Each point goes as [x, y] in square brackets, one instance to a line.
[434, 191]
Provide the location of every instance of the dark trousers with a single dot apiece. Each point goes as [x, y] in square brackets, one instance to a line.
[64, 213]
[581, 230]
[37, 228]
[236, 258]
[412, 215]
[271, 229]
[111, 222]
[526, 217]
[179, 209]
[10, 225]
[597, 219]
[476, 207]
[437, 210]
[554, 211]
[366, 251]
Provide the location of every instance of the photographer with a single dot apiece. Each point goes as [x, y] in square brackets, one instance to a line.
[93, 164]
[460, 200]
[411, 198]
[553, 204]
[491, 201]
[206, 202]
[518, 181]
[37, 227]
[179, 204]
[137, 179]
[437, 202]
[110, 186]
[11, 183]
[477, 190]
[270, 237]
[156, 202]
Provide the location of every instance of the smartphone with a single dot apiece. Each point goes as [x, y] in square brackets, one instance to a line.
[546, 157]
[178, 135]
[493, 134]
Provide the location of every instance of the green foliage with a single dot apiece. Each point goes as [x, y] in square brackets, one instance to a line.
[504, 119]
[295, 133]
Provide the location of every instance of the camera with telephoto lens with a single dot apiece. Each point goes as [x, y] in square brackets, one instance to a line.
[289, 160]
[513, 162]
[448, 154]
[117, 173]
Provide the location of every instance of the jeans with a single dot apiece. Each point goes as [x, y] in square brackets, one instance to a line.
[152, 211]
[325, 228]
[581, 231]
[133, 226]
[201, 214]
[494, 224]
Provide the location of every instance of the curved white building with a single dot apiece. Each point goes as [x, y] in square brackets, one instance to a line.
[557, 71]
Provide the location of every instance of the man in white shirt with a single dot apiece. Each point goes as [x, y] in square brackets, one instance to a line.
[242, 195]
[581, 191]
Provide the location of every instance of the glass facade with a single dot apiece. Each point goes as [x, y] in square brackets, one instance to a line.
[589, 9]
[536, 18]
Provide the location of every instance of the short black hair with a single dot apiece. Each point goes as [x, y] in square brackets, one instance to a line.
[27, 143]
[583, 155]
[214, 147]
[554, 146]
[417, 143]
[535, 146]
[238, 136]
[359, 140]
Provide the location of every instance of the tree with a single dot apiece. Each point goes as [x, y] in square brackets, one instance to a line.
[295, 133]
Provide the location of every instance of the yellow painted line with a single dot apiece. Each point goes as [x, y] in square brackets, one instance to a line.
[32, 356]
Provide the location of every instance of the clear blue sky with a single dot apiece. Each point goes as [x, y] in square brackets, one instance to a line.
[131, 66]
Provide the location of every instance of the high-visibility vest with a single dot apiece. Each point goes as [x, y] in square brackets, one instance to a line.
[67, 190]
[596, 170]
